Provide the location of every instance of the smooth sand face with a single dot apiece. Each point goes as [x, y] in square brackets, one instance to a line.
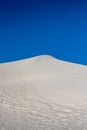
[43, 93]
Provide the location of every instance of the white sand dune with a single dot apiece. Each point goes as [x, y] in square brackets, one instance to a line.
[43, 93]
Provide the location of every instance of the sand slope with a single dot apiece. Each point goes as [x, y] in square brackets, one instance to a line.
[43, 93]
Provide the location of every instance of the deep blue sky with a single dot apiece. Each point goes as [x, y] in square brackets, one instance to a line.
[33, 27]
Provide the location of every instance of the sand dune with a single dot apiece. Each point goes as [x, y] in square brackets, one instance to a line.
[43, 93]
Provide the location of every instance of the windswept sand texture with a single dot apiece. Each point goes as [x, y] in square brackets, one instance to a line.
[43, 93]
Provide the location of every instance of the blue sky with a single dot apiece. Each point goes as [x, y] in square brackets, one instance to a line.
[33, 27]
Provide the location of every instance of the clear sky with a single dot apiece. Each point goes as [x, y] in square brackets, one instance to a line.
[33, 27]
